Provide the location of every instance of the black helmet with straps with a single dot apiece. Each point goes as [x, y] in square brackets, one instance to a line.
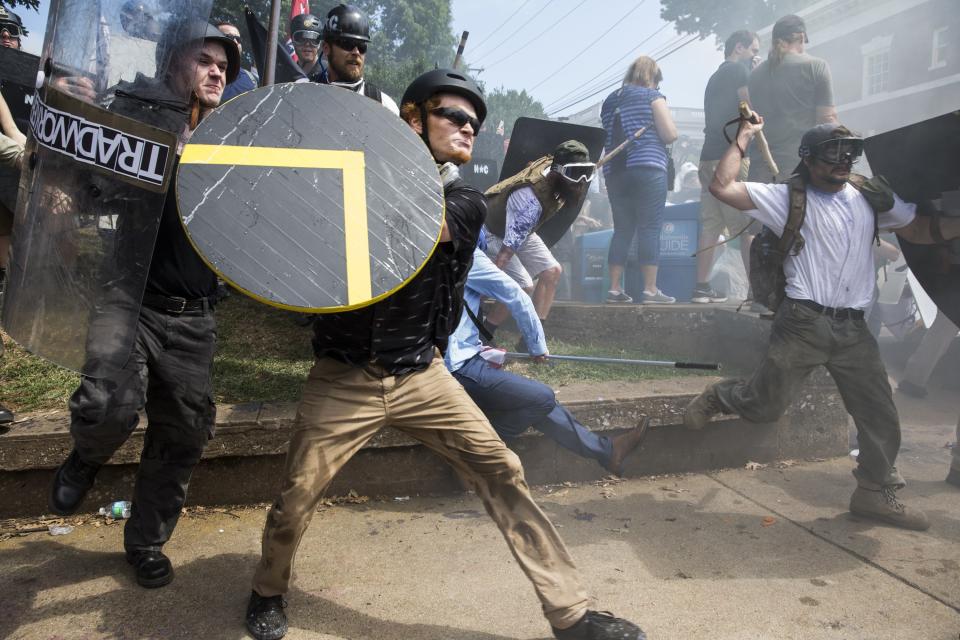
[183, 33]
[305, 22]
[11, 22]
[346, 21]
[446, 81]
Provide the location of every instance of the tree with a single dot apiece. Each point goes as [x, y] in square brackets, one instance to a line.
[720, 19]
[510, 105]
[26, 4]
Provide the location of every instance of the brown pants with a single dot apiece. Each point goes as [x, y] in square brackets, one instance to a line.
[343, 407]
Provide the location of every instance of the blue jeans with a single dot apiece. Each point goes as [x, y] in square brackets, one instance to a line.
[512, 403]
[637, 197]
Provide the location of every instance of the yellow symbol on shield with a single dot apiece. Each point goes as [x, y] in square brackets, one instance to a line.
[357, 244]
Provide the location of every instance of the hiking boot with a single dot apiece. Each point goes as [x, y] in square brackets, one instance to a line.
[6, 416]
[624, 444]
[153, 567]
[702, 408]
[706, 295]
[601, 625]
[618, 297]
[913, 390]
[953, 477]
[883, 505]
[70, 484]
[265, 617]
[657, 297]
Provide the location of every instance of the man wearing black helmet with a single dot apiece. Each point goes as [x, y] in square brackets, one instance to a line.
[346, 36]
[169, 371]
[306, 33]
[382, 366]
[829, 273]
[11, 29]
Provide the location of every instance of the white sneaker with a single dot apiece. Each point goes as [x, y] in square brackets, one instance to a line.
[657, 298]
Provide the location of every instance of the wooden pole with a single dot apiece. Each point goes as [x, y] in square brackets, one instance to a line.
[463, 43]
[273, 40]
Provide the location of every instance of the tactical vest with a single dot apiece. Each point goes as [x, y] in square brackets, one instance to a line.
[533, 176]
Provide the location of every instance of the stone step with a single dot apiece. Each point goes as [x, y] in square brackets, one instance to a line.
[244, 463]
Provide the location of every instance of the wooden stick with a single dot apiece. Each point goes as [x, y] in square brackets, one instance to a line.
[463, 44]
[748, 114]
[620, 147]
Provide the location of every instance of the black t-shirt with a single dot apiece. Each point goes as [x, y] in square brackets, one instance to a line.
[400, 332]
[721, 104]
[175, 269]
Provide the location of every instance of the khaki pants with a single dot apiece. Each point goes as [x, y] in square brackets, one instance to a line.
[344, 406]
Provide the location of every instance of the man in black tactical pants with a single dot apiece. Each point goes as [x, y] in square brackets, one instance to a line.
[169, 371]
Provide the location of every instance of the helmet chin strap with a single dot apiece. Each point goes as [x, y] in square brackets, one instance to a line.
[423, 129]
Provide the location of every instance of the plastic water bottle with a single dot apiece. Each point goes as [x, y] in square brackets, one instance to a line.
[119, 510]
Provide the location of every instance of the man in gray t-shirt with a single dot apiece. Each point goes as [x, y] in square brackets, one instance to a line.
[792, 91]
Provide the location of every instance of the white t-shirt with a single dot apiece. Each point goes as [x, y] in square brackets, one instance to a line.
[835, 266]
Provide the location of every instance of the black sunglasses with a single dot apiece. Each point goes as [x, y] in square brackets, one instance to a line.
[348, 44]
[458, 117]
[234, 38]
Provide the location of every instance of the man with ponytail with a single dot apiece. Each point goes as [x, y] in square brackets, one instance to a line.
[792, 91]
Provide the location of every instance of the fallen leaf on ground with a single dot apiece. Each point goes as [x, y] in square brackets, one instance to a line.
[768, 520]
[754, 466]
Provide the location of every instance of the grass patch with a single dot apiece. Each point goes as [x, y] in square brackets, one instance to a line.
[262, 354]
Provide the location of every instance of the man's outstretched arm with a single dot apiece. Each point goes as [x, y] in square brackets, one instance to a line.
[725, 186]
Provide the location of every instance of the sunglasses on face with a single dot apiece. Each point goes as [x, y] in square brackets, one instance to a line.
[578, 171]
[234, 38]
[307, 37]
[348, 44]
[458, 117]
[839, 151]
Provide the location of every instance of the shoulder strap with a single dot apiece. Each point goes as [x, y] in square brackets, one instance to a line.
[486, 335]
[372, 91]
[879, 195]
[791, 239]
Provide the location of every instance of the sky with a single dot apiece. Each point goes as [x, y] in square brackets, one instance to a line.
[554, 48]
[581, 39]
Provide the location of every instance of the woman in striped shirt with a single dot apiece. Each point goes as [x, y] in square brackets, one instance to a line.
[637, 178]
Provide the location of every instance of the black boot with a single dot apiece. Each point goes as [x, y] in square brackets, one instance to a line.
[153, 567]
[6, 416]
[71, 483]
[265, 617]
[601, 625]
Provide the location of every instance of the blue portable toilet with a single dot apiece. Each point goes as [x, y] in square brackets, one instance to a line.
[590, 266]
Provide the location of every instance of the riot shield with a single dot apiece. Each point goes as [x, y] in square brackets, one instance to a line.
[922, 163]
[101, 147]
[310, 197]
[533, 138]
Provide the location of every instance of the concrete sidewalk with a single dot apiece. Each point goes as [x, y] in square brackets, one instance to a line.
[769, 553]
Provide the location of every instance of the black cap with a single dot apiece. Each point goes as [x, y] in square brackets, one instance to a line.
[820, 134]
[788, 26]
[305, 22]
[346, 21]
[11, 22]
[570, 151]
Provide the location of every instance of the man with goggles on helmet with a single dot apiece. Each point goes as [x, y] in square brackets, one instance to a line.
[305, 32]
[518, 206]
[11, 29]
[829, 283]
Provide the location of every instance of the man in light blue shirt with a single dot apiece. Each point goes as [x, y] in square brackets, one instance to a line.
[511, 402]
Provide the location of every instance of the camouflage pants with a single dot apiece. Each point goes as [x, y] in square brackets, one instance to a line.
[801, 340]
[344, 406]
[169, 374]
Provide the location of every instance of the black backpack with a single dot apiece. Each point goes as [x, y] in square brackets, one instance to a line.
[768, 251]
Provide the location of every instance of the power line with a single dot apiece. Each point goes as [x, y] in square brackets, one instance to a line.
[515, 31]
[610, 86]
[509, 18]
[614, 63]
[579, 53]
[536, 37]
[610, 80]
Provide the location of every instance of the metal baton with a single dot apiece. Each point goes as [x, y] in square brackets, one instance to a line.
[709, 366]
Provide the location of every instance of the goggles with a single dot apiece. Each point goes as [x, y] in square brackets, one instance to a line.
[349, 44]
[839, 150]
[458, 117]
[15, 30]
[577, 171]
[307, 36]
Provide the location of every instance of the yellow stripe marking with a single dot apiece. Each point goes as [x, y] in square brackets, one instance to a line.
[356, 239]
